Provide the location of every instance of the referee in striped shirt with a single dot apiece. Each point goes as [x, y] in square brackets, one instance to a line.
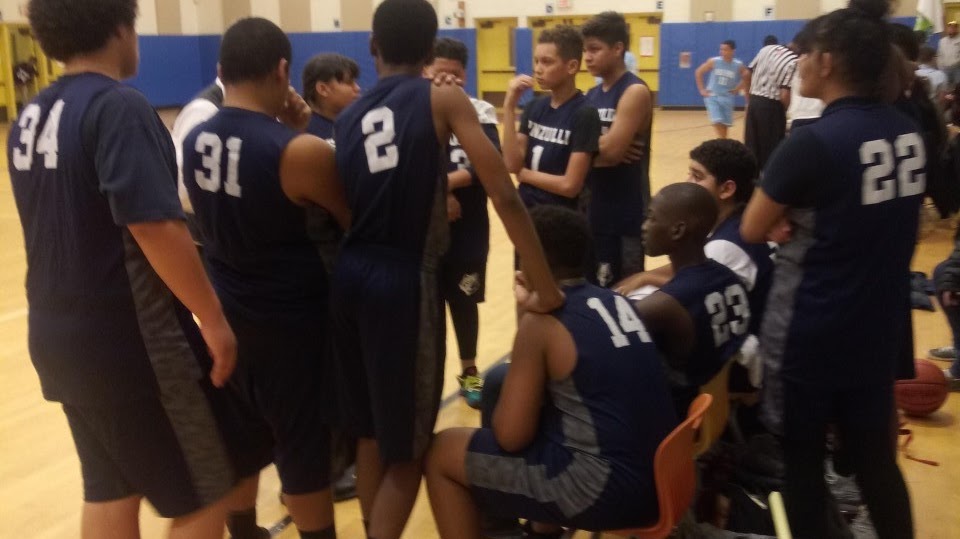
[771, 76]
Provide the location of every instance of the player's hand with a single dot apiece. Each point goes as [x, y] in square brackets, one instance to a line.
[296, 112]
[630, 284]
[446, 79]
[781, 232]
[529, 300]
[705, 93]
[454, 210]
[518, 85]
[635, 152]
[949, 298]
[222, 345]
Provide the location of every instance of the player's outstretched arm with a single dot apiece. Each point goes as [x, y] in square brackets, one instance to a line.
[671, 326]
[453, 112]
[514, 144]
[172, 254]
[656, 277]
[633, 113]
[308, 175]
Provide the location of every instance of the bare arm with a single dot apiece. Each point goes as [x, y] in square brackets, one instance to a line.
[453, 112]
[458, 179]
[744, 81]
[633, 114]
[172, 254]
[308, 175]
[671, 325]
[656, 277]
[785, 97]
[514, 144]
[760, 217]
[569, 185]
[699, 73]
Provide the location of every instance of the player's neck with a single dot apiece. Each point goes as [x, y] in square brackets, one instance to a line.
[563, 93]
[391, 70]
[611, 78]
[241, 96]
[686, 256]
[325, 112]
[94, 63]
[726, 210]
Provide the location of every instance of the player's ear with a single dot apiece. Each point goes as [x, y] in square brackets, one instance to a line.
[678, 231]
[374, 49]
[727, 189]
[573, 66]
[219, 71]
[826, 63]
[283, 70]
[323, 89]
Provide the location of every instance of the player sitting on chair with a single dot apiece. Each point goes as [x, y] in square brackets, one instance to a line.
[571, 444]
[699, 318]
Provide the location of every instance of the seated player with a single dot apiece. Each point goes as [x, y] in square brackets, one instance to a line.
[465, 265]
[559, 133]
[250, 179]
[701, 316]
[329, 86]
[571, 443]
[728, 170]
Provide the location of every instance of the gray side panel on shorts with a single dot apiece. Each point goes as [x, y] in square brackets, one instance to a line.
[177, 372]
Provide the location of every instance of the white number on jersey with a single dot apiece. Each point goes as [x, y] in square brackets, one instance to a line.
[537, 153]
[380, 139]
[458, 156]
[211, 148]
[879, 184]
[46, 145]
[629, 322]
[734, 298]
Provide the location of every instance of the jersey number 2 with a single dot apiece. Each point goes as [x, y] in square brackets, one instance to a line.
[380, 139]
[47, 145]
[878, 157]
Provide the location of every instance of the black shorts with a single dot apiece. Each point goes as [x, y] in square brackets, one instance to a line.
[617, 257]
[182, 450]
[282, 373]
[389, 340]
[464, 280]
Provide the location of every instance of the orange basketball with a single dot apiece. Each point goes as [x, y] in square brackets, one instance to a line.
[924, 394]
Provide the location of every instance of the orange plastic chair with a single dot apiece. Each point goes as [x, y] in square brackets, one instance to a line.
[715, 420]
[674, 473]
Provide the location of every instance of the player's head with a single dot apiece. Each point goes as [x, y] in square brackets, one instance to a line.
[449, 56]
[67, 29]
[927, 55]
[906, 40]
[680, 216]
[726, 168]
[952, 28]
[565, 236]
[770, 40]
[256, 52]
[849, 51]
[403, 33]
[727, 49]
[556, 58]
[606, 39]
[330, 80]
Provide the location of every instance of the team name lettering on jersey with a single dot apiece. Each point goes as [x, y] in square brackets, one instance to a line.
[549, 134]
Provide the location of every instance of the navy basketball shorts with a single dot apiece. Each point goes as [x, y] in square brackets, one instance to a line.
[280, 372]
[464, 280]
[549, 483]
[181, 450]
[617, 257]
[389, 339]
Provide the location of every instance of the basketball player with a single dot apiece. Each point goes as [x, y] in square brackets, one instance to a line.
[619, 180]
[728, 76]
[701, 316]
[387, 304]
[838, 311]
[558, 137]
[250, 178]
[112, 279]
[329, 86]
[465, 265]
[571, 444]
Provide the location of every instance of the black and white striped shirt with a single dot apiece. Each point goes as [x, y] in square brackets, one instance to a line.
[773, 69]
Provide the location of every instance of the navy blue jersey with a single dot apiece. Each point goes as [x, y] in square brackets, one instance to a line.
[394, 169]
[719, 306]
[88, 157]
[838, 310]
[593, 410]
[470, 235]
[321, 127]
[552, 135]
[752, 262]
[619, 195]
[262, 262]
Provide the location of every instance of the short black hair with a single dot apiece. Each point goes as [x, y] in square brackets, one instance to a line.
[67, 28]
[770, 40]
[730, 43]
[568, 40]
[609, 27]
[325, 68]
[251, 49]
[451, 49]
[906, 39]
[728, 159]
[404, 31]
[565, 236]
[692, 204]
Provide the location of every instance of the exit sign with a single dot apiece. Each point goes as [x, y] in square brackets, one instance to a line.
[564, 4]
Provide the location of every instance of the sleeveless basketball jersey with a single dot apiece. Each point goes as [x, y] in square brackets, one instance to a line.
[392, 167]
[261, 260]
[321, 127]
[88, 157]
[619, 195]
[552, 135]
[724, 77]
[720, 309]
[761, 254]
[616, 403]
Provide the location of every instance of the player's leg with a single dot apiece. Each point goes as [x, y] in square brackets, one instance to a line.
[207, 523]
[806, 413]
[453, 507]
[115, 519]
[492, 384]
[242, 511]
[464, 287]
[369, 475]
[714, 112]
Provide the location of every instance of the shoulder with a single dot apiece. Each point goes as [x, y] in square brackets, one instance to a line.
[486, 113]
[307, 150]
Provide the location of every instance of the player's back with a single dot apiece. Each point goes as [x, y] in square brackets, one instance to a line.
[392, 167]
[726, 237]
[262, 261]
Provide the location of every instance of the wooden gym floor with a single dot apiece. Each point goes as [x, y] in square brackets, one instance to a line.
[40, 489]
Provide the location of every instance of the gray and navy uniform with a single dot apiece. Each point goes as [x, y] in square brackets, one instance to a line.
[387, 302]
[321, 226]
[271, 282]
[88, 158]
[590, 465]
[619, 195]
